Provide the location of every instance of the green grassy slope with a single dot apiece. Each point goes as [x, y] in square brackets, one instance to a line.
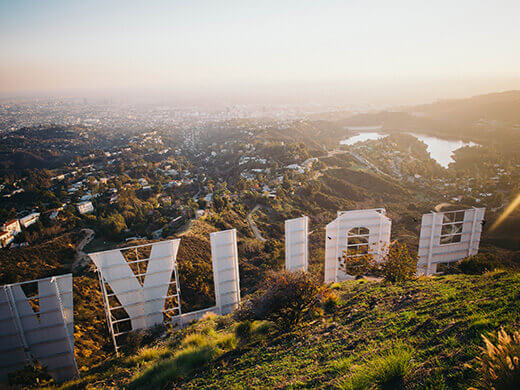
[437, 320]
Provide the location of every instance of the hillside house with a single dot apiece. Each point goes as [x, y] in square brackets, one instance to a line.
[12, 226]
[85, 207]
[5, 238]
[29, 219]
[295, 167]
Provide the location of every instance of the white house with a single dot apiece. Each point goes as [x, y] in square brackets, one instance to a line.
[85, 207]
[29, 219]
[12, 226]
[308, 163]
[85, 197]
[5, 238]
[295, 167]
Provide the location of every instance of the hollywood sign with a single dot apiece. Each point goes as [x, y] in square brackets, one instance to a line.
[36, 324]
[140, 284]
[445, 237]
[355, 233]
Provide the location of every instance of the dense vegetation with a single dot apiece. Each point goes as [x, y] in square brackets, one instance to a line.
[376, 333]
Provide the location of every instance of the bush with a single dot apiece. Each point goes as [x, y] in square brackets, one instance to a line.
[499, 365]
[359, 265]
[478, 264]
[156, 376]
[197, 339]
[247, 331]
[285, 298]
[262, 328]
[398, 265]
[390, 370]
[243, 330]
[189, 358]
[133, 341]
[386, 371]
[330, 303]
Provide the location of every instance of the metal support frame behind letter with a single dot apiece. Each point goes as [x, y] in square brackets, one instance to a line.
[436, 227]
[38, 328]
[337, 238]
[139, 305]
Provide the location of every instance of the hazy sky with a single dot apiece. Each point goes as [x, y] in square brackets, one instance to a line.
[395, 51]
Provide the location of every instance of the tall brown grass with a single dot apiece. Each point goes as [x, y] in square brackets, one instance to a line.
[499, 365]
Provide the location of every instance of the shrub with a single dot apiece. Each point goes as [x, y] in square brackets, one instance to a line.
[285, 298]
[209, 316]
[191, 357]
[206, 325]
[390, 370]
[247, 331]
[399, 264]
[341, 365]
[330, 303]
[197, 339]
[243, 330]
[156, 376]
[133, 341]
[386, 371]
[478, 264]
[499, 365]
[359, 265]
[262, 328]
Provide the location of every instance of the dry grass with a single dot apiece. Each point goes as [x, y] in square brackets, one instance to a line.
[500, 362]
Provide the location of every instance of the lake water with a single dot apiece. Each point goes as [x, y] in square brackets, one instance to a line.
[364, 136]
[441, 150]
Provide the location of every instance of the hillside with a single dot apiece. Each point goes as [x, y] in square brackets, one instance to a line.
[504, 106]
[484, 118]
[48, 147]
[435, 324]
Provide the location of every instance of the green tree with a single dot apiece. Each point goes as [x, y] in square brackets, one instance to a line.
[113, 225]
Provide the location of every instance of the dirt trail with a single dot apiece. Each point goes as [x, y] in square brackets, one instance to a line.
[81, 259]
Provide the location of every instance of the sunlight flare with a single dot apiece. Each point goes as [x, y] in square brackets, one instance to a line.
[513, 205]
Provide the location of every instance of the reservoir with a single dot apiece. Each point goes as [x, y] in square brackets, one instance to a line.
[441, 150]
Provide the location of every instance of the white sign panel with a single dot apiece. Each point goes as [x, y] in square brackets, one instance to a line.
[224, 256]
[448, 236]
[36, 324]
[139, 284]
[296, 244]
[357, 233]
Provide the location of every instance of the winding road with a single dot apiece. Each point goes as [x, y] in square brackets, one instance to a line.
[253, 226]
